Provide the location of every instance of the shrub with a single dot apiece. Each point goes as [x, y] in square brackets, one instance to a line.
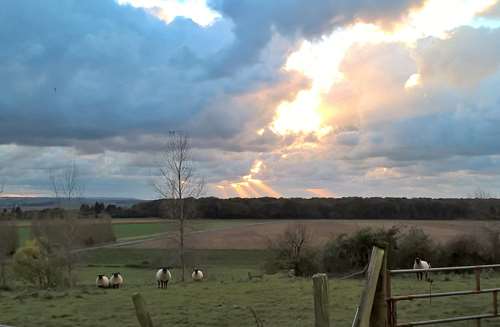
[411, 244]
[292, 250]
[347, 253]
[463, 250]
[34, 264]
[66, 232]
[8, 245]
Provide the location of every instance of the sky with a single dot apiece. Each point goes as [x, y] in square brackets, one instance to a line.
[282, 98]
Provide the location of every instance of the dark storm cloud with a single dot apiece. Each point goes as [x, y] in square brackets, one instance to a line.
[255, 22]
[90, 70]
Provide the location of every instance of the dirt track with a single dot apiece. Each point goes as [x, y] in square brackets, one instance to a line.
[258, 235]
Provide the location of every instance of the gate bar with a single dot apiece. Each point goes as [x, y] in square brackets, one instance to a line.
[438, 321]
[426, 296]
[409, 271]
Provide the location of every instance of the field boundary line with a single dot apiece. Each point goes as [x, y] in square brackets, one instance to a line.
[163, 235]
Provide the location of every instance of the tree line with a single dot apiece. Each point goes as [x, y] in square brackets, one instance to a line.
[322, 208]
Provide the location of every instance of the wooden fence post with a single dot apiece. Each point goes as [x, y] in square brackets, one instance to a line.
[380, 311]
[141, 311]
[321, 313]
[363, 316]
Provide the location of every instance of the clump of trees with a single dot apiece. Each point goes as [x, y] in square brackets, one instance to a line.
[327, 208]
[94, 210]
[349, 253]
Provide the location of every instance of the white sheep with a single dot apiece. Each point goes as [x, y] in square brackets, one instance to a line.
[116, 280]
[162, 277]
[197, 275]
[102, 281]
[421, 264]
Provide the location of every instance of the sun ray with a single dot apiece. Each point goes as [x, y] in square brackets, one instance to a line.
[266, 189]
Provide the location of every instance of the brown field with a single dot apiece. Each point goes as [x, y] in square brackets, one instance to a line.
[258, 235]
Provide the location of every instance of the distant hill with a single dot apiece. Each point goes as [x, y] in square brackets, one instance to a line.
[35, 203]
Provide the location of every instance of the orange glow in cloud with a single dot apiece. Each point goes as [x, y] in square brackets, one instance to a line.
[320, 61]
[249, 186]
[265, 189]
[240, 191]
[321, 192]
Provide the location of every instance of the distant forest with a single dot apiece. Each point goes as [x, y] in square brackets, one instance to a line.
[323, 208]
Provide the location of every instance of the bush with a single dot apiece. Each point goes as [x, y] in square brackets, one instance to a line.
[414, 243]
[34, 264]
[292, 250]
[346, 253]
[463, 250]
[64, 232]
[67, 229]
[8, 245]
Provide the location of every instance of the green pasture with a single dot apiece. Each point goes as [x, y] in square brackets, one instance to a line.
[138, 229]
[224, 298]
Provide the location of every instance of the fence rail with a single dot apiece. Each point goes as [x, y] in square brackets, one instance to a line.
[392, 300]
[458, 268]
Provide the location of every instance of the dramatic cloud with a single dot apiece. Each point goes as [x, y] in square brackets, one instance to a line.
[324, 98]
[255, 21]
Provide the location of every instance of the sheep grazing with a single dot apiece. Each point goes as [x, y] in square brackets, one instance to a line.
[102, 281]
[162, 277]
[197, 275]
[421, 264]
[116, 280]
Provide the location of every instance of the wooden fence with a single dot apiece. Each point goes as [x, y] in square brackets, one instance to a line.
[377, 307]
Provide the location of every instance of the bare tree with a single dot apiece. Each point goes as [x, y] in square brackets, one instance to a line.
[293, 250]
[178, 184]
[479, 193]
[8, 245]
[54, 180]
[67, 183]
[294, 240]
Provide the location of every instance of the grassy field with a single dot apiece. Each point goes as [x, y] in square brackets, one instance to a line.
[221, 300]
[132, 228]
[254, 234]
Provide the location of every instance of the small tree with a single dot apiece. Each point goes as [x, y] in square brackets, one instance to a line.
[62, 235]
[8, 245]
[36, 264]
[481, 194]
[294, 251]
[178, 185]
[67, 183]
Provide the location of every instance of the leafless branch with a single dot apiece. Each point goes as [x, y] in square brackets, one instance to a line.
[66, 183]
[479, 193]
[178, 183]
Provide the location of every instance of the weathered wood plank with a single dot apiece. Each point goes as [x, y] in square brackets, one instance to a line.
[321, 313]
[141, 311]
[368, 295]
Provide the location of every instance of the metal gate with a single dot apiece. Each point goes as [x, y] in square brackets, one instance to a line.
[393, 300]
